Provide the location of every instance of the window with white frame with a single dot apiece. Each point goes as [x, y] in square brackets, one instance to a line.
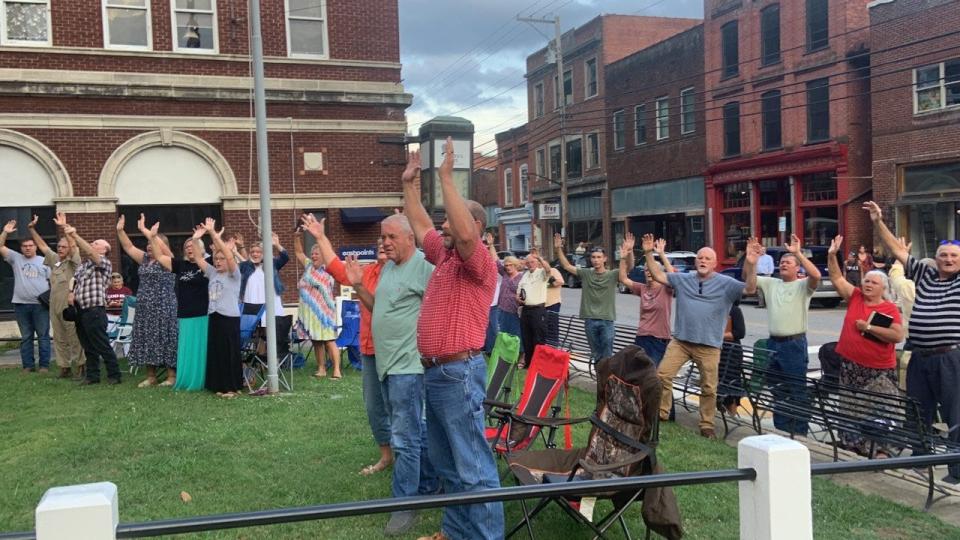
[195, 26]
[126, 24]
[937, 86]
[555, 154]
[25, 22]
[538, 100]
[619, 128]
[307, 28]
[593, 150]
[663, 118]
[640, 125]
[568, 87]
[508, 188]
[541, 163]
[688, 122]
[590, 78]
[524, 183]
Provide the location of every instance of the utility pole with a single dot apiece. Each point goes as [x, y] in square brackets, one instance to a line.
[559, 91]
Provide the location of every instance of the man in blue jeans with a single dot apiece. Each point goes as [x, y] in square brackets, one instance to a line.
[31, 278]
[788, 301]
[396, 308]
[597, 300]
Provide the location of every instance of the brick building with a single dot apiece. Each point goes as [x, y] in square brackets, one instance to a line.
[788, 121]
[515, 216]
[587, 50]
[916, 118]
[110, 107]
[484, 188]
[655, 142]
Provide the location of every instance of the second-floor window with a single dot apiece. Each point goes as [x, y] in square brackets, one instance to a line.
[731, 129]
[25, 22]
[541, 163]
[640, 124]
[818, 24]
[555, 161]
[307, 28]
[770, 109]
[770, 35]
[195, 25]
[663, 118]
[126, 24]
[688, 122]
[818, 110]
[508, 188]
[568, 87]
[730, 49]
[618, 130]
[574, 158]
[937, 86]
[590, 68]
[593, 150]
[538, 100]
[524, 183]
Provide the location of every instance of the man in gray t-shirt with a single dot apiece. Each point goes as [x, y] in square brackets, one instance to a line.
[704, 299]
[31, 278]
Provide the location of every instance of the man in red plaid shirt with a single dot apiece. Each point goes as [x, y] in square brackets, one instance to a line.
[450, 335]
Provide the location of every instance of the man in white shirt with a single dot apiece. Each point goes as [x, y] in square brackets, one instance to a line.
[532, 297]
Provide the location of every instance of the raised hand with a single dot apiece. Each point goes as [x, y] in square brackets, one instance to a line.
[275, 238]
[660, 245]
[904, 245]
[835, 245]
[69, 230]
[354, 272]
[317, 228]
[488, 238]
[754, 250]
[142, 224]
[238, 240]
[210, 225]
[60, 219]
[647, 242]
[33, 222]
[557, 241]
[198, 232]
[874, 209]
[626, 248]
[446, 168]
[413, 167]
[794, 245]
[153, 230]
[10, 226]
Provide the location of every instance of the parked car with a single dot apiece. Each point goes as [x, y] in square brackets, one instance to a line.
[825, 295]
[570, 280]
[682, 261]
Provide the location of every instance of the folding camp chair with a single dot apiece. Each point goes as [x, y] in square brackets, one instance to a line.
[250, 343]
[285, 359]
[120, 331]
[502, 371]
[348, 341]
[622, 443]
[546, 377]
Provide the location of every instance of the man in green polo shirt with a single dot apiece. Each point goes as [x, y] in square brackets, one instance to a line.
[788, 301]
[396, 308]
[597, 300]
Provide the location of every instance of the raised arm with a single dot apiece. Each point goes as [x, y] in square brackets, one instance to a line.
[162, 255]
[199, 259]
[318, 230]
[488, 241]
[8, 228]
[813, 273]
[37, 239]
[134, 252]
[355, 275]
[86, 250]
[887, 238]
[753, 254]
[660, 246]
[656, 271]
[558, 248]
[210, 226]
[298, 249]
[626, 260]
[844, 288]
[420, 221]
[240, 249]
[463, 226]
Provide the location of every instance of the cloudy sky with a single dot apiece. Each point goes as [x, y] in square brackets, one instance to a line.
[467, 57]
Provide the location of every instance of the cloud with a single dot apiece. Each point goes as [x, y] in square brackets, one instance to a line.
[458, 54]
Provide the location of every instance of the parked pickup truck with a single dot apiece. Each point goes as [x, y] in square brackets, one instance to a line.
[825, 295]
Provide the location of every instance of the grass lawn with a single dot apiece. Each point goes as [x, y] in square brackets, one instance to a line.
[303, 449]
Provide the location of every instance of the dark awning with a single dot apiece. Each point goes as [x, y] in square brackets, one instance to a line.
[360, 216]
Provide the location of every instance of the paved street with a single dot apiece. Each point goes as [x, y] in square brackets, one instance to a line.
[824, 324]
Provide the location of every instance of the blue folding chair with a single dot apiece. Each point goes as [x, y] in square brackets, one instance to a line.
[349, 338]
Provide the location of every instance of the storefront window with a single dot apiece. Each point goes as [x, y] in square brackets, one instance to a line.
[737, 227]
[819, 187]
[774, 192]
[932, 178]
[590, 232]
[736, 195]
[928, 224]
[819, 225]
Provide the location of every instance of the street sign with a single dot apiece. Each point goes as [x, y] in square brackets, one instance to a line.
[549, 210]
[782, 224]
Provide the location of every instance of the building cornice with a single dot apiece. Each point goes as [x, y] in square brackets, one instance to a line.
[193, 123]
[278, 201]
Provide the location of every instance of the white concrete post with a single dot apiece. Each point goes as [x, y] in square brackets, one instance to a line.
[777, 505]
[84, 512]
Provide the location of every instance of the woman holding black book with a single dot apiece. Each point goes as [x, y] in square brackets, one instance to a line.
[871, 329]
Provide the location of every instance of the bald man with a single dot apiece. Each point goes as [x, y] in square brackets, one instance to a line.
[704, 299]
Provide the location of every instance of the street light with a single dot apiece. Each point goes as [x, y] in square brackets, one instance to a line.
[433, 136]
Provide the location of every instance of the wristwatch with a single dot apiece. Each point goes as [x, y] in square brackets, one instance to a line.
[869, 327]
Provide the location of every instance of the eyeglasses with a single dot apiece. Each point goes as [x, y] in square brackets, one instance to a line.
[950, 242]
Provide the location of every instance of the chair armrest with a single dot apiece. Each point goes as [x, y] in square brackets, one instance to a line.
[497, 404]
[541, 421]
[591, 467]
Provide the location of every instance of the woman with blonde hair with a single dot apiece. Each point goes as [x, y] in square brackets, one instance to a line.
[317, 312]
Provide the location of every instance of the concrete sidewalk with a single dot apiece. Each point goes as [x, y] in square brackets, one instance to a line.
[901, 486]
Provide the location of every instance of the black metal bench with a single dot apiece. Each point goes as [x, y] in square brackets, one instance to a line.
[572, 337]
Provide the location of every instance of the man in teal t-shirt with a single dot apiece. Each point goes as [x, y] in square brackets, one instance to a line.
[396, 309]
[597, 300]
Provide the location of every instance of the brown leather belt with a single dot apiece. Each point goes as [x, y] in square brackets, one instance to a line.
[934, 350]
[435, 361]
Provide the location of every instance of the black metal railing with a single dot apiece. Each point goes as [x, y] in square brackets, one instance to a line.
[381, 506]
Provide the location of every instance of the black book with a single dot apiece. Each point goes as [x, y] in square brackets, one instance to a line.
[879, 320]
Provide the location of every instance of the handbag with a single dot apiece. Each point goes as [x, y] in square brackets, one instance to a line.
[70, 314]
[44, 298]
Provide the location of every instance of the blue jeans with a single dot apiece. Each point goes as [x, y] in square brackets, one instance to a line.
[373, 400]
[458, 448]
[493, 327]
[33, 319]
[412, 472]
[789, 358]
[653, 346]
[510, 323]
[600, 338]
